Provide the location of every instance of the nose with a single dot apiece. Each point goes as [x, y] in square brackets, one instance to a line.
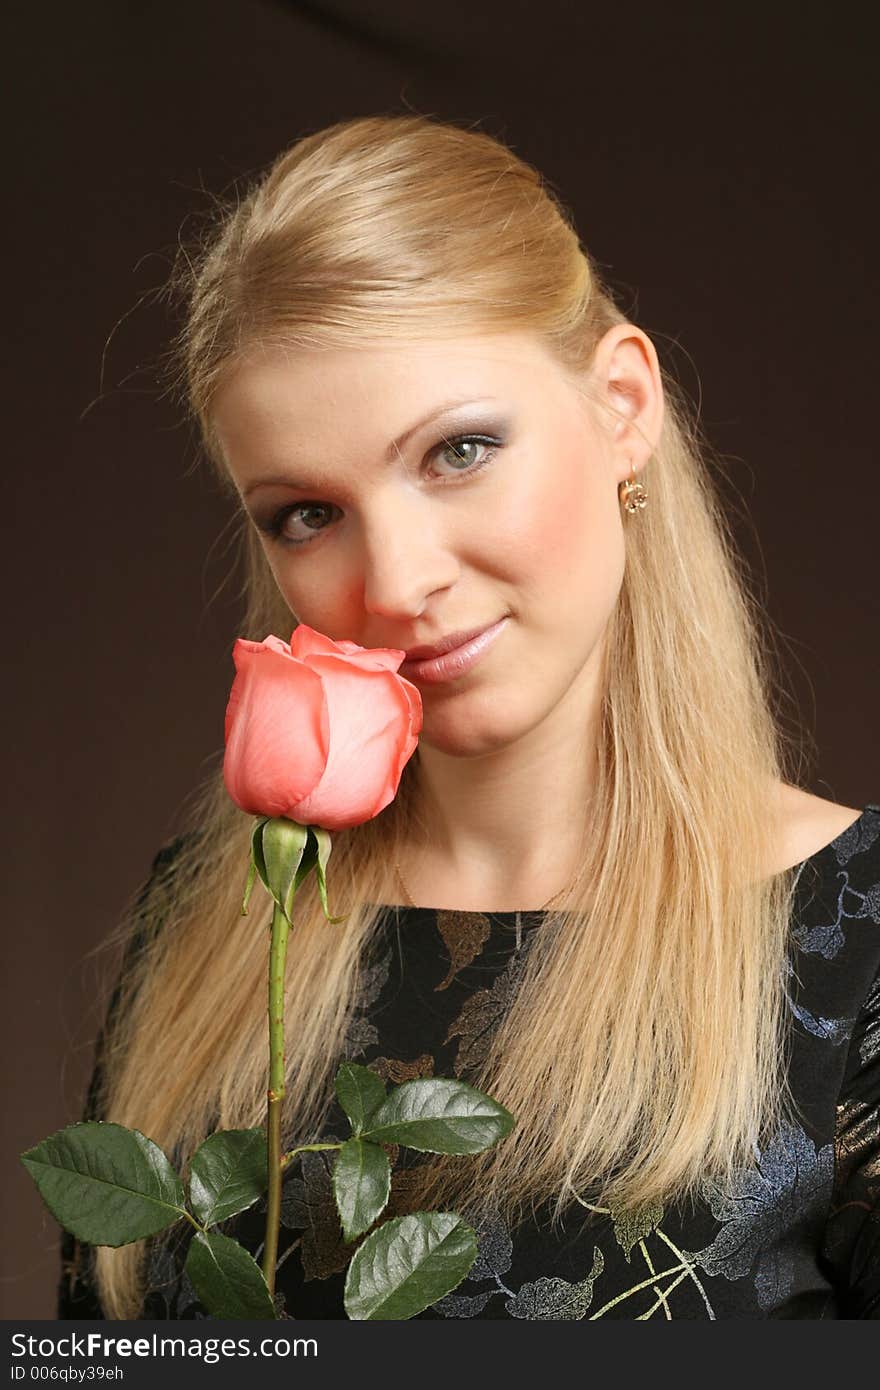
[407, 558]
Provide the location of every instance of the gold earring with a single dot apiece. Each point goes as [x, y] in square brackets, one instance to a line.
[632, 495]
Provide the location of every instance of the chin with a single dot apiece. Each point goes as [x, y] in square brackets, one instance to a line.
[469, 733]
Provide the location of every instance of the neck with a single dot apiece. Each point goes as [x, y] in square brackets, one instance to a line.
[504, 827]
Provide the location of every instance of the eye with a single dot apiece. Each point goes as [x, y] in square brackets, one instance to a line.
[275, 526]
[462, 451]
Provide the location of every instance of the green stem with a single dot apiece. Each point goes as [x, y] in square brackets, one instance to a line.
[305, 1149]
[277, 961]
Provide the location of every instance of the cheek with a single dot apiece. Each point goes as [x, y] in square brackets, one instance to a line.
[314, 600]
[563, 525]
[297, 596]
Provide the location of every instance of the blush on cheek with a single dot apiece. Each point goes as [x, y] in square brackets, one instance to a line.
[580, 538]
[571, 517]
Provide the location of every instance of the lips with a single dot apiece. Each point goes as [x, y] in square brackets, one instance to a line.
[446, 644]
[455, 662]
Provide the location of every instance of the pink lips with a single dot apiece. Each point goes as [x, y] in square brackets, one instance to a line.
[446, 644]
[454, 662]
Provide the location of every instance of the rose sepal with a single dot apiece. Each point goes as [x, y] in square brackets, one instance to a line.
[257, 864]
[278, 847]
[324, 845]
[283, 854]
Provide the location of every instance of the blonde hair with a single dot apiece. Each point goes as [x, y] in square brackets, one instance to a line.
[645, 1047]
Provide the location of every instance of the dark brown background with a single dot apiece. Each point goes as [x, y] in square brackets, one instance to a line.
[721, 166]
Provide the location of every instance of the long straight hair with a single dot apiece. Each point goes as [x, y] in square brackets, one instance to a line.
[645, 1045]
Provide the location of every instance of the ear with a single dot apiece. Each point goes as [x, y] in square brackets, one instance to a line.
[626, 374]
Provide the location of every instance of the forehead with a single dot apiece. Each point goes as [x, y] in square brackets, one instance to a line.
[274, 390]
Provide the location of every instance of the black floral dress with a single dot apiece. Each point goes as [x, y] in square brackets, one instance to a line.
[796, 1236]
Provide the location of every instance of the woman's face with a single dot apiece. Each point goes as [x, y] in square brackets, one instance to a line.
[500, 501]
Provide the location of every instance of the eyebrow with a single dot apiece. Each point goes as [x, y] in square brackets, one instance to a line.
[394, 448]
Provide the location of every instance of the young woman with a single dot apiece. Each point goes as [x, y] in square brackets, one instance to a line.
[600, 894]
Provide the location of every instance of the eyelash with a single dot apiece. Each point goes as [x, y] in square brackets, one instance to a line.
[274, 525]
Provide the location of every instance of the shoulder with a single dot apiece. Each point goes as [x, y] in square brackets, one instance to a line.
[805, 825]
[836, 910]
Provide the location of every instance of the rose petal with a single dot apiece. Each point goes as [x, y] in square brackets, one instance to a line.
[373, 658]
[375, 723]
[306, 642]
[414, 696]
[370, 658]
[277, 729]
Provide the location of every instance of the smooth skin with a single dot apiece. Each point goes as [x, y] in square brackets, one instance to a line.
[401, 545]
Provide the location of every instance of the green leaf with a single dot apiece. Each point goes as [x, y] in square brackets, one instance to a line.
[228, 1173]
[107, 1184]
[439, 1116]
[360, 1092]
[324, 845]
[226, 1278]
[407, 1264]
[282, 845]
[361, 1184]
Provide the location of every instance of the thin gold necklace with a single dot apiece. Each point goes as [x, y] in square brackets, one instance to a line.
[409, 901]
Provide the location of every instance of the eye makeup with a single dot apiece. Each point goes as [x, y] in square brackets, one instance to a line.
[272, 523]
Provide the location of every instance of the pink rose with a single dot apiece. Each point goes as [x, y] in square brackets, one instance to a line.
[318, 731]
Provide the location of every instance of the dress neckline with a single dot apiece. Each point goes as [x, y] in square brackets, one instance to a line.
[512, 914]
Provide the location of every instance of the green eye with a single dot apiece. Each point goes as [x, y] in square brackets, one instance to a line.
[463, 452]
